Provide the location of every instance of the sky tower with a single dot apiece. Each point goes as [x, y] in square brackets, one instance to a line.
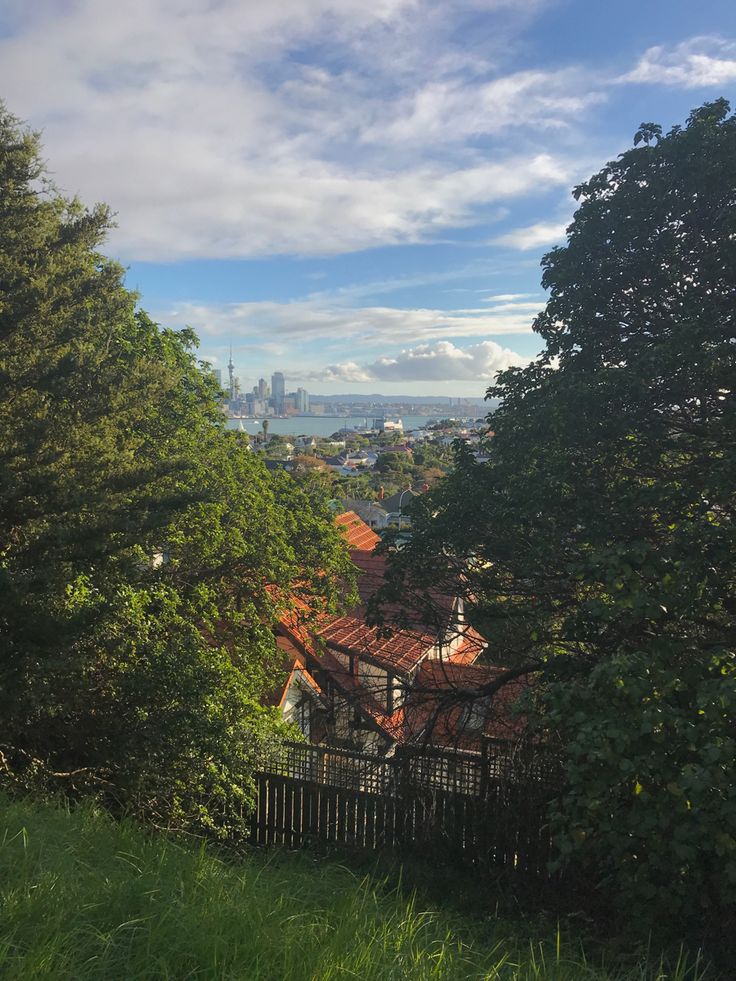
[231, 376]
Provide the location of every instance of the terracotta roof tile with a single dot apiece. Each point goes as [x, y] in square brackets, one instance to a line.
[436, 710]
[402, 650]
[356, 532]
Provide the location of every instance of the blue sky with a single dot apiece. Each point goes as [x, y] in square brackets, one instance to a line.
[354, 192]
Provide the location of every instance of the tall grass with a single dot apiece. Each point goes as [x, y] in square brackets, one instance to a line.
[84, 897]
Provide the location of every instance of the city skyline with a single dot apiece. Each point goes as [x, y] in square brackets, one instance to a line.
[243, 387]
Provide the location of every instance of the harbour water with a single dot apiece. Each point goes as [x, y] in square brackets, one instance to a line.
[319, 425]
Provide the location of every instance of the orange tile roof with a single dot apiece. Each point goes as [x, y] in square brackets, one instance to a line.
[439, 674]
[435, 705]
[402, 650]
[430, 710]
[356, 532]
[470, 649]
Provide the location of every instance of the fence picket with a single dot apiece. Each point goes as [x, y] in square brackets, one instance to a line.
[487, 807]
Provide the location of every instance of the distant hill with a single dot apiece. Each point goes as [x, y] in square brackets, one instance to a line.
[376, 399]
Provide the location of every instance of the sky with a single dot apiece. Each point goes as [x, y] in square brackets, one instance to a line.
[357, 193]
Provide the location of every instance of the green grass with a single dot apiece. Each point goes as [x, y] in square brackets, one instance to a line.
[83, 897]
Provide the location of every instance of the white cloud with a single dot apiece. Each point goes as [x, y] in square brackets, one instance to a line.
[702, 62]
[311, 208]
[454, 109]
[532, 236]
[507, 297]
[322, 319]
[195, 123]
[438, 362]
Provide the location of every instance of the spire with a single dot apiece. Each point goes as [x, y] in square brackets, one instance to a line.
[231, 376]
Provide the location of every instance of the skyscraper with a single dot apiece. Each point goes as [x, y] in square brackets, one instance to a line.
[278, 390]
[302, 400]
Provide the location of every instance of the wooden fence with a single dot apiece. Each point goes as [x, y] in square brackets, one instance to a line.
[488, 808]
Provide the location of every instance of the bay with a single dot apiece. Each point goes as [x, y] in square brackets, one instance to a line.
[318, 425]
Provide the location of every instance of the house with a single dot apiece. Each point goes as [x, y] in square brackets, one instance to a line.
[353, 686]
[371, 512]
[398, 502]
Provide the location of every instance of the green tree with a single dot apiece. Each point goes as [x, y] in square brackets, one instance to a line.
[144, 554]
[597, 548]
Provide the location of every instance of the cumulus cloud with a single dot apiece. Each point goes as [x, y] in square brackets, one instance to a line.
[194, 121]
[438, 362]
[532, 236]
[701, 62]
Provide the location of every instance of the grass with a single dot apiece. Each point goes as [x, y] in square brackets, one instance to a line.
[84, 897]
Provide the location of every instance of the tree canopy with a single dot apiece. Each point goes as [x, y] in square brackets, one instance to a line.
[144, 554]
[597, 548]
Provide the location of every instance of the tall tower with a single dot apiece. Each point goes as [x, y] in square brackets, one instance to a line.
[278, 390]
[231, 376]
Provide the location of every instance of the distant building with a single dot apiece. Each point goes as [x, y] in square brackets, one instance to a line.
[399, 500]
[302, 400]
[278, 390]
[369, 511]
[384, 425]
[217, 372]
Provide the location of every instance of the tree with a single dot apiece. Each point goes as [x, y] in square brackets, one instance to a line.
[144, 556]
[597, 548]
[265, 429]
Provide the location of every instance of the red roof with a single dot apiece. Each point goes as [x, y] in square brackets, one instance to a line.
[356, 532]
[371, 572]
[436, 704]
[402, 650]
[470, 649]
[430, 705]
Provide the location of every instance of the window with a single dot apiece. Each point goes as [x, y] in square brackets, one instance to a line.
[304, 716]
[473, 716]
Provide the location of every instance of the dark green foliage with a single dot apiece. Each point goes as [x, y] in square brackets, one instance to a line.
[599, 544]
[144, 554]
